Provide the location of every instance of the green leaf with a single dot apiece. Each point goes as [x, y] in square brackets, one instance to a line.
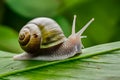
[34, 8]
[9, 40]
[87, 66]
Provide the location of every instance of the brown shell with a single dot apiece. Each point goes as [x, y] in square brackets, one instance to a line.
[49, 31]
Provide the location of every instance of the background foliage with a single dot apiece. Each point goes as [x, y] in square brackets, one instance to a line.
[16, 13]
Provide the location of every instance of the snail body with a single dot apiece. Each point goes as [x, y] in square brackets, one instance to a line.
[43, 39]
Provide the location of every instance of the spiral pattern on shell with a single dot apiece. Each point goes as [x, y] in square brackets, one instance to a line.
[29, 38]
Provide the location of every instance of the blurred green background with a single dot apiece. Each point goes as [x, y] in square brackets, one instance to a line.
[16, 13]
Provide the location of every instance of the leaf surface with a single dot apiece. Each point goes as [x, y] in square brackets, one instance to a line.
[73, 68]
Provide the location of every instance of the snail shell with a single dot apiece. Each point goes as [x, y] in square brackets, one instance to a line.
[40, 33]
[43, 39]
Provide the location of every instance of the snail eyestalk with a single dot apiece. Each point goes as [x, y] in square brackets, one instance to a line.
[85, 27]
[73, 25]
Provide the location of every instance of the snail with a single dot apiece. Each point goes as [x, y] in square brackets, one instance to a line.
[43, 39]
